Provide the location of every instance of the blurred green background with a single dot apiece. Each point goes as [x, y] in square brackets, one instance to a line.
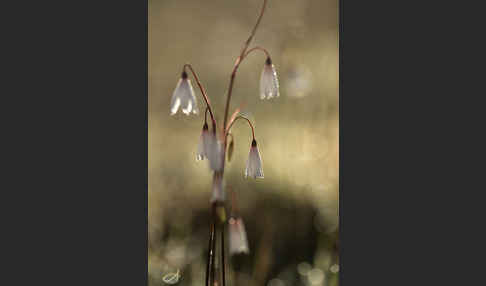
[291, 216]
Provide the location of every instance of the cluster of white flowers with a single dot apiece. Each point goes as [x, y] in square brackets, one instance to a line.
[184, 94]
[211, 148]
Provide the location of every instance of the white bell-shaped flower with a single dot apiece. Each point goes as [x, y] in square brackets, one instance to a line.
[238, 243]
[184, 97]
[214, 153]
[268, 81]
[203, 144]
[254, 162]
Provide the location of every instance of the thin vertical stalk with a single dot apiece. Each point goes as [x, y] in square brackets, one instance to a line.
[223, 264]
[210, 257]
[213, 269]
[210, 271]
[237, 63]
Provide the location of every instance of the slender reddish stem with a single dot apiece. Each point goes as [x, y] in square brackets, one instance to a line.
[225, 130]
[203, 92]
[233, 116]
[238, 61]
[241, 117]
[223, 264]
[210, 258]
[206, 115]
[257, 48]
[247, 43]
[213, 266]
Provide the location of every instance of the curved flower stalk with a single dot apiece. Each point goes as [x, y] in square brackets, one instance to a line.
[184, 97]
[254, 162]
[238, 242]
[268, 81]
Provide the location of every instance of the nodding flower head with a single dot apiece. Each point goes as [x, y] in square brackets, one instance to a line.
[184, 97]
[214, 153]
[268, 81]
[204, 142]
[254, 162]
[238, 242]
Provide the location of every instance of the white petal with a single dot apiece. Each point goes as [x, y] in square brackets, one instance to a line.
[201, 154]
[269, 86]
[184, 96]
[177, 97]
[238, 242]
[174, 105]
[254, 164]
[195, 109]
[207, 141]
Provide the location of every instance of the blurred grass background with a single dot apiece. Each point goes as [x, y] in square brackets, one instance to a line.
[291, 216]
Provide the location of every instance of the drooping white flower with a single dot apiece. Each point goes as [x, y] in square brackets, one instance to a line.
[184, 97]
[218, 189]
[214, 153]
[254, 162]
[268, 81]
[204, 141]
[238, 242]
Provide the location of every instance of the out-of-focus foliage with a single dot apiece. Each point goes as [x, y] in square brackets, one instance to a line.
[291, 216]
